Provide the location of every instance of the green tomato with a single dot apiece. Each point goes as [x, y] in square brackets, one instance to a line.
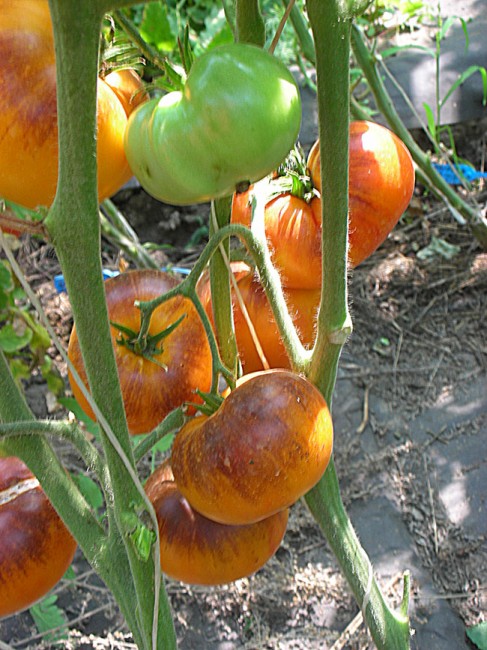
[236, 119]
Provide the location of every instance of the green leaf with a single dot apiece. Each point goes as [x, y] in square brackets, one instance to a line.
[390, 51]
[55, 382]
[6, 281]
[463, 77]
[90, 490]
[478, 635]
[19, 369]
[155, 27]
[430, 118]
[143, 539]
[438, 247]
[164, 443]
[11, 341]
[48, 616]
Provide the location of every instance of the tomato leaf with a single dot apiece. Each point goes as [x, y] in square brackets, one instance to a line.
[6, 282]
[11, 341]
[478, 635]
[143, 539]
[155, 27]
[48, 616]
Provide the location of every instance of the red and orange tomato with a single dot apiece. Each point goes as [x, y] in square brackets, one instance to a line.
[181, 364]
[381, 183]
[266, 446]
[195, 549]
[28, 119]
[36, 548]
[302, 304]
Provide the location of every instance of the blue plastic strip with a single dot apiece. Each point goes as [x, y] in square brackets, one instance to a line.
[466, 173]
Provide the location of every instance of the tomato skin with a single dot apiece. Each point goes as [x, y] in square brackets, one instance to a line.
[302, 304]
[196, 550]
[199, 144]
[128, 87]
[36, 548]
[293, 232]
[266, 446]
[28, 120]
[149, 391]
[381, 183]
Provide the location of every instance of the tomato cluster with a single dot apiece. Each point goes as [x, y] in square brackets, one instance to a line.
[381, 183]
[28, 120]
[222, 504]
[36, 548]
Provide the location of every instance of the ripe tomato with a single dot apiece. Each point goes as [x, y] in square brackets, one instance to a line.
[381, 183]
[199, 144]
[266, 446]
[128, 87]
[302, 304]
[196, 550]
[36, 548]
[293, 232]
[28, 120]
[151, 389]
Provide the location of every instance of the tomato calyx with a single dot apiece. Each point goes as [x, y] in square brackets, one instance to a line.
[293, 177]
[148, 346]
[211, 402]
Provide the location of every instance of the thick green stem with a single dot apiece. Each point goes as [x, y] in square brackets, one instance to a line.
[220, 287]
[73, 224]
[473, 216]
[301, 28]
[331, 26]
[250, 26]
[389, 630]
[331, 33]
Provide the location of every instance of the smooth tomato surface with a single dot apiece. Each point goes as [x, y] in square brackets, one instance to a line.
[149, 390]
[266, 446]
[302, 304]
[196, 550]
[36, 548]
[293, 232]
[381, 183]
[199, 144]
[28, 119]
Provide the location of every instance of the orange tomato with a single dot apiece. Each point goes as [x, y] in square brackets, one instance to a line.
[128, 87]
[293, 232]
[36, 548]
[265, 447]
[381, 183]
[28, 119]
[195, 549]
[302, 304]
[182, 360]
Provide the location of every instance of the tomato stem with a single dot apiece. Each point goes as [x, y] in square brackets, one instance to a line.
[250, 26]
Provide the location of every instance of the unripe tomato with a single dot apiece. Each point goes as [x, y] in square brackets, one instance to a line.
[381, 183]
[196, 550]
[28, 119]
[182, 360]
[267, 445]
[36, 548]
[293, 231]
[302, 304]
[235, 121]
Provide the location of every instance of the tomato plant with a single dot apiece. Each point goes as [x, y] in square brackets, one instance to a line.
[36, 548]
[195, 549]
[381, 183]
[199, 144]
[167, 373]
[266, 446]
[28, 120]
[302, 304]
